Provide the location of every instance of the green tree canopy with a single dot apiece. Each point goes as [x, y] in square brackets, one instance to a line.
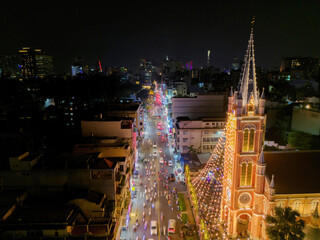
[300, 140]
[285, 225]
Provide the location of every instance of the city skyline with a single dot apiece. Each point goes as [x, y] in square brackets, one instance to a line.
[119, 34]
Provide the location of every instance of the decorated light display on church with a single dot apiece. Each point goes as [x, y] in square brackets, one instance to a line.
[206, 189]
[211, 189]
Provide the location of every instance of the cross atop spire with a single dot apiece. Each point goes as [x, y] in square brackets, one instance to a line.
[247, 86]
[253, 20]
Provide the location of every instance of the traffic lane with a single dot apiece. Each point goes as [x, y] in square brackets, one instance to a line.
[170, 211]
[148, 205]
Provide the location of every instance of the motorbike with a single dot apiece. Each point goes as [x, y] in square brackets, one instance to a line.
[145, 225]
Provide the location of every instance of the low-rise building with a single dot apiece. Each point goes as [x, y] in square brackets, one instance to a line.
[210, 105]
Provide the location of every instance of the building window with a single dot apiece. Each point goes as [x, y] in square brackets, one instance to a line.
[185, 147]
[313, 205]
[245, 140]
[246, 175]
[185, 132]
[243, 175]
[296, 205]
[280, 204]
[248, 140]
[185, 140]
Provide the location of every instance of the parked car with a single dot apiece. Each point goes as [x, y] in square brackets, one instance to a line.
[161, 160]
[154, 145]
[155, 153]
[170, 163]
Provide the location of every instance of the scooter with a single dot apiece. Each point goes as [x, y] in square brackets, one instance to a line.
[145, 225]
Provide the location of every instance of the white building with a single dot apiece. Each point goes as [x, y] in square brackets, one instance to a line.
[200, 135]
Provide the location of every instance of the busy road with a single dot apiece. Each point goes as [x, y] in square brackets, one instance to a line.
[155, 209]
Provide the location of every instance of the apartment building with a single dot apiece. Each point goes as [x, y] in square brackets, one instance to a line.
[200, 136]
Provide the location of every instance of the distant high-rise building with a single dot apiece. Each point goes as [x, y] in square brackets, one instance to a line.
[44, 64]
[146, 70]
[34, 63]
[300, 67]
[27, 62]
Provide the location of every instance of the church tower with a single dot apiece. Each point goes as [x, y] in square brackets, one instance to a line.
[244, 167]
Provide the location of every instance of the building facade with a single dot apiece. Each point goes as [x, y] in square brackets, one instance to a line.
[35, 63]
[199, 135]
[211, 105]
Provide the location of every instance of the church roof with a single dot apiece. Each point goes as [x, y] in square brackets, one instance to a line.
[295, 172]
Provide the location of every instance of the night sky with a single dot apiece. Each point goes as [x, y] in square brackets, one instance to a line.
[120, 33]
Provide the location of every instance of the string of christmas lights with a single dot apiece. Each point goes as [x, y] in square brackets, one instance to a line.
[207, 189]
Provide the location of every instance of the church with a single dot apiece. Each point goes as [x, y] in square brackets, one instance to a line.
[254, 181]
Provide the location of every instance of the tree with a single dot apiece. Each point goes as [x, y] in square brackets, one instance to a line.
[300, 140]
[194, 150]
[284, 224]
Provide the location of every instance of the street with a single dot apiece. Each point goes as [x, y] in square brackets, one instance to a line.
[156, 195]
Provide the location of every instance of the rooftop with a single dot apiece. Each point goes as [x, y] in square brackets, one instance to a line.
[295, 172]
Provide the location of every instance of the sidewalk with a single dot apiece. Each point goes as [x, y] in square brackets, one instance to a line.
[190, 216]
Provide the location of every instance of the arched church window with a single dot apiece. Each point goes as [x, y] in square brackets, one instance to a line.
[313, 205]
[243, 174]
[246, 174]
[251, 140]
[296, 205]
[280, 204]
[249, 174]
[248, 140]
[245, 140]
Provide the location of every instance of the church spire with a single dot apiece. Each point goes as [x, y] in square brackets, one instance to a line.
[247, 86]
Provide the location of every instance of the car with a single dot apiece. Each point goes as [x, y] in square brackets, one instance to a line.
[155, 153]
[171, 226]
[159, 133]
[161, 160]
[170, 163]
[160, 150]
[153, 228]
